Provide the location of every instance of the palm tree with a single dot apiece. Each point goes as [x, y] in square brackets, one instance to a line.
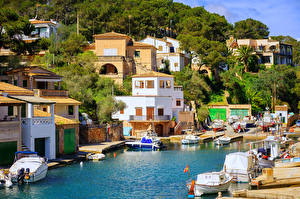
[244, 53]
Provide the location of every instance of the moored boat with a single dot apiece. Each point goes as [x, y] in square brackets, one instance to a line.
[4, 180]
[209, 183]
[222, 140]
[148, 141]
[28, 167]
[218, 125]
[190, 139]
[288, 162]
[95, 156]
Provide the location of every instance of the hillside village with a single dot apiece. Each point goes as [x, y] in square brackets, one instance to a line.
[69, 85]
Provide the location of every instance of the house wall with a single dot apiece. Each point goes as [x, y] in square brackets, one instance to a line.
[157, 42]
[113, 43]
[142, 102]
[144, 63]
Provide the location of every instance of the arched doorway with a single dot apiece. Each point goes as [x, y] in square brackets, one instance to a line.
[159, 130]
[108, 69]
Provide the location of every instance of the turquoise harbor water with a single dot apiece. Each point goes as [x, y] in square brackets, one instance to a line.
[132, 174]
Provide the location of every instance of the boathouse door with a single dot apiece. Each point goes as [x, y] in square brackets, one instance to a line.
[150, 113]
[159, 129]
[39, 146]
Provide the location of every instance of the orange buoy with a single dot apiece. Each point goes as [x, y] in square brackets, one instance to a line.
[115, 155]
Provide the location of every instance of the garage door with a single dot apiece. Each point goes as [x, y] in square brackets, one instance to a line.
[239, 112]
[69, 141]
[7, 152]
[217, 113]
[39, 146]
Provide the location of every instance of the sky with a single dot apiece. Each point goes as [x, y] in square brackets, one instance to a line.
[281, 16]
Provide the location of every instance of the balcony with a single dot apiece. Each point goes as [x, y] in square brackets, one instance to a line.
[149, 118]
[51, 93]
[178, 88]
[111, 58]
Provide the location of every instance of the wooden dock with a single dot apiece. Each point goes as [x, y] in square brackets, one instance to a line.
[103, 147]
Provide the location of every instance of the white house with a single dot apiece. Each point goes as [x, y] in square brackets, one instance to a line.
[43, 29]
[154, 102]
[38, 133]
[281, 113]
[168, 49]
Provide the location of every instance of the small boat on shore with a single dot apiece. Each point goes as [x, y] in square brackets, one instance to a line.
[28, 167]
[95, 156]
[232, 119]
[218, 125]
[209, 183]
[239, 126]
[222, 140]
[190, 139]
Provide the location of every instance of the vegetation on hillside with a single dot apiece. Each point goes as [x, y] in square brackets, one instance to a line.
[201, 33]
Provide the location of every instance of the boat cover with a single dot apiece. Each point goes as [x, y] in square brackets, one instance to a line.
[236, 163]
[145, 140]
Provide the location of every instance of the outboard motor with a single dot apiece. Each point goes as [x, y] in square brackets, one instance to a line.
[21, 175]
[27, 176]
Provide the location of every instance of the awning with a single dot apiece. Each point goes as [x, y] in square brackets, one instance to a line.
[33, 99]
[5, 101]
[63, 100]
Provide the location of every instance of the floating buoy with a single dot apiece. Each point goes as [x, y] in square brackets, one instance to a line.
[81, 163]
[115, 155]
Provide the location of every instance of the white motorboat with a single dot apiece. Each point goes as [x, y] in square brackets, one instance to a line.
[28, 167]
[232, 119]
[239, 165]
[222, 140]
[218, 125]
[4, 180]
[148, 141]
[209, 183]
[190, 139]
[239, 126]
[95, 156]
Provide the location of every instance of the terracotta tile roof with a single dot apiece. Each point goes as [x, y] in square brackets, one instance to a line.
[41, 22]
[34, 71]
[14, 90]
[153, 74]
[112, 35]
[140, 44]
[59, 120]
[7, 101]
[63, 100]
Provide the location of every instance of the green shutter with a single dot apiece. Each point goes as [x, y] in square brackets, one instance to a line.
[69, 141]
[10, 111]
[217, 113]
[39, 146]
[25, 83]
[7, 152]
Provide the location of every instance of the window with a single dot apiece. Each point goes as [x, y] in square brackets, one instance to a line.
[150, 83]
[160, 112]
[160, 48]
[172, 50]
[42, 85]
[15, 82]
[71, 110]
[122, 111]
[139, 84]
[176, 64]
[110, 52]
[161, 84]
[10, 111]
[45, 109]
[168, 84]
[25, 83]
[137, 53]
[138, 111]
[178, 102]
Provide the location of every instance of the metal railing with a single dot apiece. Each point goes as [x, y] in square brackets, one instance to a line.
[178, 88]
[149, 117]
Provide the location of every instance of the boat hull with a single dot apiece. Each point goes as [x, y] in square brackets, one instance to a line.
[201, 189]
[139, 145]
[185, 141]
